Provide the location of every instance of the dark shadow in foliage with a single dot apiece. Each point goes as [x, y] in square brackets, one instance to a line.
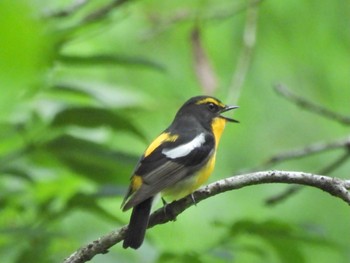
[92, 160]
[18, 172]
[91, 117]
[174, 257]
[285, 239]
[89, 203]
[110, 59]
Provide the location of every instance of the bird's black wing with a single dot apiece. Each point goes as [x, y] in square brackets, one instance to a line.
[168, 164]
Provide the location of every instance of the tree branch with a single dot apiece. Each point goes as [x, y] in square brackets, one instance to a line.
[293, 189]
[203, 68]
[310, 106]
[334, 186]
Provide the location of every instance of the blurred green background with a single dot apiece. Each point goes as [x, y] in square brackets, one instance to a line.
[86, 85]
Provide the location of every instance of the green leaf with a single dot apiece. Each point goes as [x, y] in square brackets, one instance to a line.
[89, 203]
[24, 53]
[283, 238]
[172, 257]
[42, 239]
[95, 117]
[22, 239]
[286, 239]
[105, 94]
[18, 172]
[110, 59]
[95, 161]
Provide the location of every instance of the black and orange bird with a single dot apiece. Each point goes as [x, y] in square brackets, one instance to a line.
[176, 163]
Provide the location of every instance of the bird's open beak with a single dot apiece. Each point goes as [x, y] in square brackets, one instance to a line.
[227, 108]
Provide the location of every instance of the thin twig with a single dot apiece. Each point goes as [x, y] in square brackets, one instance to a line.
[308, 150]
[245, 58]
[334, 186]
[310, 106]
[280, 197]
[182, 16]
[225, 14]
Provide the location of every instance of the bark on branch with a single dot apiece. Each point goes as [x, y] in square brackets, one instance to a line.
[334, 186]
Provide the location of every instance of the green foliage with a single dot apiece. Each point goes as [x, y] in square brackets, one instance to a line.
[285, 239]
[25, 51]
[90, 159]
[85, 85]
[89, 117]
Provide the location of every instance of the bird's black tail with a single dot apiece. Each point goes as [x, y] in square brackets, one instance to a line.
[138, 224]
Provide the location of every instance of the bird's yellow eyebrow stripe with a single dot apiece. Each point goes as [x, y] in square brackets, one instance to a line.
[164, 137]
[208, 100]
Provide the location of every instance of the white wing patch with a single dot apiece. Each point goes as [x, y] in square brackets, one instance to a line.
[185, 149]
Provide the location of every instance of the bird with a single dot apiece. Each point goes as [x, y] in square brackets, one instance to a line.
[176, 163]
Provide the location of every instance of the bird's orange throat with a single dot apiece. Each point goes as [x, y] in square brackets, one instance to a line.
[218, 126]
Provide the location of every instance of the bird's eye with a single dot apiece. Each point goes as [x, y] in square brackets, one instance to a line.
[213, 107]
